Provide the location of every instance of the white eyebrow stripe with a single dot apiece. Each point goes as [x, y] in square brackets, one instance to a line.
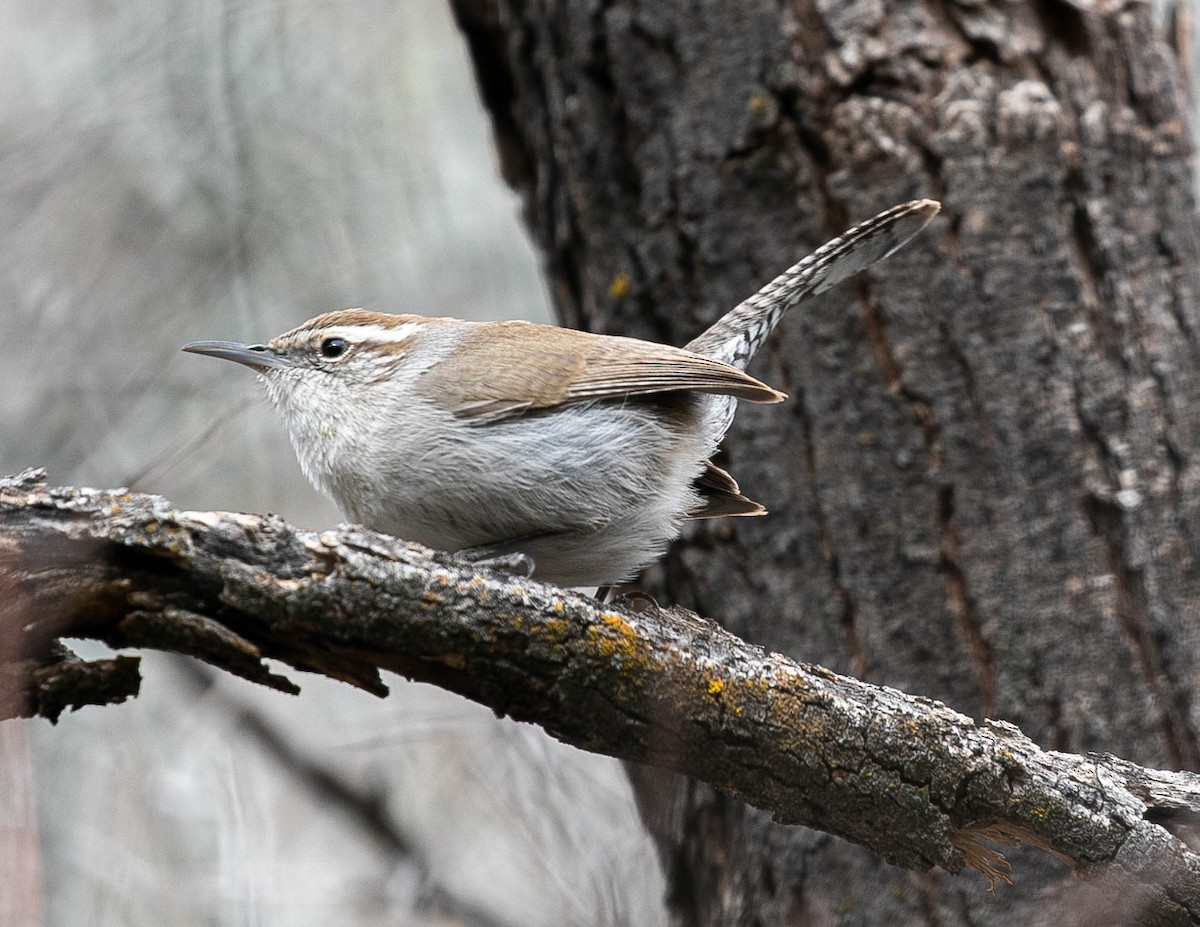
[376, 333]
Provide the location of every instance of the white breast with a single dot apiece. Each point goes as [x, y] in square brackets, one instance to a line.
[592, 492]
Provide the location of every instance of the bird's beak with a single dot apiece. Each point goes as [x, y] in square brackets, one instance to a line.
[258, 356]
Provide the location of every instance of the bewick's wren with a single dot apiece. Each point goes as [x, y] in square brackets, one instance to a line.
[584, 452]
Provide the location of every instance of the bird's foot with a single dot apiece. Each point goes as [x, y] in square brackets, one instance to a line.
[635, 600]
[487, 558]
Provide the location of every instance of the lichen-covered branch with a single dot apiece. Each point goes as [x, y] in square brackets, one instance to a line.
[906, 777]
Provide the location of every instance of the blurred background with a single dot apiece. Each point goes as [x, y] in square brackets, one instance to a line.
[171, 172]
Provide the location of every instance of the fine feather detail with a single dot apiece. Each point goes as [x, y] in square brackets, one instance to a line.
[505, 369]
[736, 337]
[720, 495]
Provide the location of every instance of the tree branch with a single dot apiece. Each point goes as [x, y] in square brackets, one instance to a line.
[904, 776]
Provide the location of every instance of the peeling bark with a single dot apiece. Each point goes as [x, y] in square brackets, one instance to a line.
[988, 489]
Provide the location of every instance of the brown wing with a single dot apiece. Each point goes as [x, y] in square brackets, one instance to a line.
[503, 369]
[721, 496]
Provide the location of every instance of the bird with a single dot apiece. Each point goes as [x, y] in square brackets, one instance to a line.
[581, 454]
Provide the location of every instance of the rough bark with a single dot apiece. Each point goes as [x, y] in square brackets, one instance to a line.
[986, 488]
[908, 778]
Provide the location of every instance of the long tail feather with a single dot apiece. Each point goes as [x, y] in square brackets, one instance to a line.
[737, 336]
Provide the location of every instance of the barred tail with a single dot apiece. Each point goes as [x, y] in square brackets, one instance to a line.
[736, 336]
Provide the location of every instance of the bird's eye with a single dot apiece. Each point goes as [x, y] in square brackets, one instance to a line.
[334, 347]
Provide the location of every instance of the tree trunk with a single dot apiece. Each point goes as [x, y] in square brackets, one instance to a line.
[984, 488]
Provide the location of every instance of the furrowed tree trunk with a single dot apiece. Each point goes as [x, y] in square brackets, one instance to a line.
[985, 486]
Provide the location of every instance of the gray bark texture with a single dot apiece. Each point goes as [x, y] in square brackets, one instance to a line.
[984, 489]
[905, 777]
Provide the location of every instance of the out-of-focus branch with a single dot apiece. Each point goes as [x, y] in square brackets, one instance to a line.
[904, 776]
[367, 806]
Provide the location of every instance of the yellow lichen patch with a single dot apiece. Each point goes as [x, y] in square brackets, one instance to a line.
[785, 698]
[479, 584]
[514, 621]
[552, 631]
[614, 639]
[548, 633]
[150, 527]
[557, 608]
[754, 687]
[716, 686]
[619, 287]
